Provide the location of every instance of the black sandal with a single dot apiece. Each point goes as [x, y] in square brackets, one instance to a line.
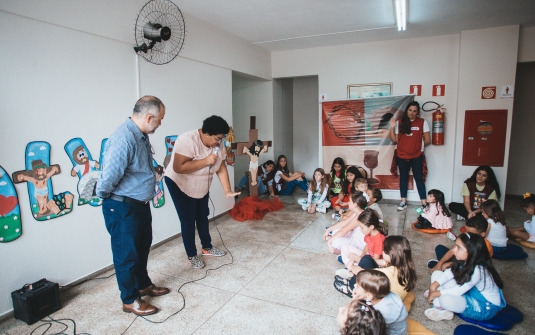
[344, 289]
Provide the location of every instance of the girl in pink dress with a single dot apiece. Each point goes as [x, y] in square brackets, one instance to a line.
[435, 214]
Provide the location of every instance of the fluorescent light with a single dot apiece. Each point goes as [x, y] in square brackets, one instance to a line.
[401, 14]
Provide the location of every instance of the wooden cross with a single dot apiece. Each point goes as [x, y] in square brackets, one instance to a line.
[238, 146]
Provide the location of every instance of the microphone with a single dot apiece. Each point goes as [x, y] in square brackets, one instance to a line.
[216, 151]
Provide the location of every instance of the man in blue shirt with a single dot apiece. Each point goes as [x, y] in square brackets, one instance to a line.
[127, 185]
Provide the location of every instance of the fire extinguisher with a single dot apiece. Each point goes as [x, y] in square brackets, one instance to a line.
[437, 137]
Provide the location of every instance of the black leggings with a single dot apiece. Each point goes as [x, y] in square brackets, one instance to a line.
[458, 209]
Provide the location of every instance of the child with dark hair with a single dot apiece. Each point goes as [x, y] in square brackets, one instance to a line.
[342, 200]
[496, 232]
[527, 232]
[374, 287]
[358, 318]
[375, 195]
[435, 214]
[337, 177]
[471, 287]
[263, 184]
[475, 225]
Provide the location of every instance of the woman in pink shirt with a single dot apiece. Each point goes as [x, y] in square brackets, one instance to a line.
[197, 155]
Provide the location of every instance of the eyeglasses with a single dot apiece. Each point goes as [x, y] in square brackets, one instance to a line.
[218, 139]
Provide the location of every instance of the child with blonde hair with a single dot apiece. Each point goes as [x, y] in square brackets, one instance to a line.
[317, 194]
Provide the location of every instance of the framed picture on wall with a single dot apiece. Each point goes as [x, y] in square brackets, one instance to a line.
[359, 91]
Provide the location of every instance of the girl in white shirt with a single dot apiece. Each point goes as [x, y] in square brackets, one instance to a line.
[527, 232]
[496, 232]
[317, 194]
[472, 287]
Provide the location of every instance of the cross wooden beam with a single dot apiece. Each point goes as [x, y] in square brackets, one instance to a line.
[238, 146]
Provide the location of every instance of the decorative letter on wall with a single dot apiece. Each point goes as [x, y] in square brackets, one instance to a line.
[87, 170]
[44, 203]
[10, 223]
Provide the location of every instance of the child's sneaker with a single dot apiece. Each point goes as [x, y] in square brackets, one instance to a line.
[344, 273]
[337, 216]
[195, 262]
[402, 205]
[432, 263]
[460, 218]
[451, 236]
[321, 209]
[437, 314]
[213, 252]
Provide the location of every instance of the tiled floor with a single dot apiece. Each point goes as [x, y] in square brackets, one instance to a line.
[279, 282]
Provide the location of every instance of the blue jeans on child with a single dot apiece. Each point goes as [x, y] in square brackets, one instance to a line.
[405, 166]
[130, 228]
[244, 181]
[478, 308]
[303, 184]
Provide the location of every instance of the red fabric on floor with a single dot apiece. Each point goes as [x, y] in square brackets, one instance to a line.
[249, 208]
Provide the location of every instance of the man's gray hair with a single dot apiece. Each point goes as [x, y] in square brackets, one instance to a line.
[148, 104]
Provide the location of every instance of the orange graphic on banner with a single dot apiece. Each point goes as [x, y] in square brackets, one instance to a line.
[488, 92]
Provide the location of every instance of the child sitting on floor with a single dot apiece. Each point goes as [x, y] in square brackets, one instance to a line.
[361, 185]
[348, 231]
[342, 199]
[471, 287]
[475, 225]
[359, 318]
[317, 194]
[496, 232]
[374, 287]
[375, 233]
[527, 232]
[375, 195]
[435, 214]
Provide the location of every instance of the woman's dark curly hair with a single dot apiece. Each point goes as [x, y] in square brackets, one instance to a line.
[491, 179]
[215, 125]
[405, 126]
[363, 319]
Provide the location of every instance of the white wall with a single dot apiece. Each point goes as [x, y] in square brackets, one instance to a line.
[283, 125]
[70, 71]
[251, 97]
[488, 57]
[526, 45]
[306, 145]
[425, 61]
[520, 176]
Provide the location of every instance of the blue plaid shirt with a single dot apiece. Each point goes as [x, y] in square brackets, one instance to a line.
[128, 167]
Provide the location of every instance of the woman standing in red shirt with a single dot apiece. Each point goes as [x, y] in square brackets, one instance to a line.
[411, 134]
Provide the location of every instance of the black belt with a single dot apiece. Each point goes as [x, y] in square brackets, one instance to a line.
[127, 200]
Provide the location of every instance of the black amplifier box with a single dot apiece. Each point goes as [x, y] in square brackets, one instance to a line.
[35, 301]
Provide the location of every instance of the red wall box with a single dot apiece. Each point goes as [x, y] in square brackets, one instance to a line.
[484, 137]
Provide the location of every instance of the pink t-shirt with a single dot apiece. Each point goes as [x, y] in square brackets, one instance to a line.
[433, 213]
[375, 244]
[195, 184]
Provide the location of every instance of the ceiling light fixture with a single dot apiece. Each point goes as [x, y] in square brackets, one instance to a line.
[401, 14]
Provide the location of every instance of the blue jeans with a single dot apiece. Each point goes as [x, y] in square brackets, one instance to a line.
[130, 228]
[303, 184]
[366, 262]
[404, 167]
[191, 213]
[244, 181]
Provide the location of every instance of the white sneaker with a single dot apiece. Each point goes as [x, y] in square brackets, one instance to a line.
[460, 218]
[451, 236]
[321, 209]
[402, 205]
[344, 273]
[436, 314]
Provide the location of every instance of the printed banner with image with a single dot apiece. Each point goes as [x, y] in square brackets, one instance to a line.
[359, 132]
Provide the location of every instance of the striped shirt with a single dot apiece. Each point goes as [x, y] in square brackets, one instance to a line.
[128, 171]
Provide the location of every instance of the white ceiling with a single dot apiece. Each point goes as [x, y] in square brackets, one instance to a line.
[294, 24]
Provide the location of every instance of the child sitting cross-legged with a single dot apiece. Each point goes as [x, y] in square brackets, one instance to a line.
[527, 232]
[471, 287]
[496, 232]
[375, 195]
[475, 225]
